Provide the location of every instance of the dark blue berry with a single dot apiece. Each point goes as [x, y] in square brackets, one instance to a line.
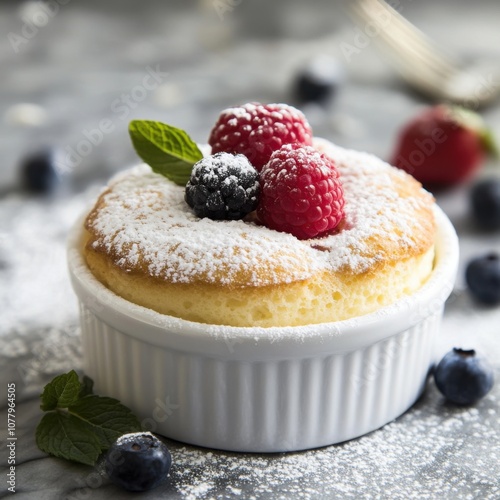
[138, 461]
[485, 203]
[39, 172]
[318, 81]
[223, 186]
[483, 278]
[463, 377]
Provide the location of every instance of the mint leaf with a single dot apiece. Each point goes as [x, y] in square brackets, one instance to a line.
[87, 386]
[61, 392]
[106, 417]
[80, 425]
[62, 435]
[167, 150]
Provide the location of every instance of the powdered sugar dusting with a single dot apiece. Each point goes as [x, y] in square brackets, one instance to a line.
[245, 111]
[240, 111]
[146, 222]
[374, 210]
[430, 452]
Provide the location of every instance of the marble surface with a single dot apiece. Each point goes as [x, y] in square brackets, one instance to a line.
[73, 72]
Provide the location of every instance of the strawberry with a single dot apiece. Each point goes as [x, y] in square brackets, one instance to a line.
[443, 145]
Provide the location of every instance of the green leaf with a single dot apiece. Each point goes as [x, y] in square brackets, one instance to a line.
[80, 425]
[61, 392]
[62, 435]
[87, 387]
[167, 150]
[106, 417]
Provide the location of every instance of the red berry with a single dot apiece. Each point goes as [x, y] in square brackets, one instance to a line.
[301, 192]
[443, 145]
[257, 130]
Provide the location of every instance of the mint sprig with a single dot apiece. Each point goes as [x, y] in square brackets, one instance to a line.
[168, 150]
[79, 425]
[63, 391]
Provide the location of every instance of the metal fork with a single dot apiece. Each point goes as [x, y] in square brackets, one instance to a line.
[421, 63]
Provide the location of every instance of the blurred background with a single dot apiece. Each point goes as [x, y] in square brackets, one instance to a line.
[68, 64]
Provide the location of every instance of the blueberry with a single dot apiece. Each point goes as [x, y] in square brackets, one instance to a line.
[318, 81]
[463, 377]
[38, 171]
[138, 461]
[485, 203]
[483, 278]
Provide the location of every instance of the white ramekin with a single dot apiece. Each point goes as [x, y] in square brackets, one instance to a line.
[263, 390]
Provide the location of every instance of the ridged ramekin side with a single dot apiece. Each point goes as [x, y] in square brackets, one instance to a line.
[260, 406]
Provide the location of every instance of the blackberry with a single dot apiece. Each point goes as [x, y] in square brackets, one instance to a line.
[223, 187]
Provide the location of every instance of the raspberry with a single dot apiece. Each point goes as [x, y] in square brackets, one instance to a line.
[223, 186]
[301, 192]
[257, 130]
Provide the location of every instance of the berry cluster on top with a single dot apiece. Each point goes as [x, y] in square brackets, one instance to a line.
[263, 159]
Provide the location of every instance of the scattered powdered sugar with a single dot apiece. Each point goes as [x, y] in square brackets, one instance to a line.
[374, 210]
[433, 451]
[145, 216]
[35, 285]
[240, 111]
[244, 112]
[145, 220]
[237, 161]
